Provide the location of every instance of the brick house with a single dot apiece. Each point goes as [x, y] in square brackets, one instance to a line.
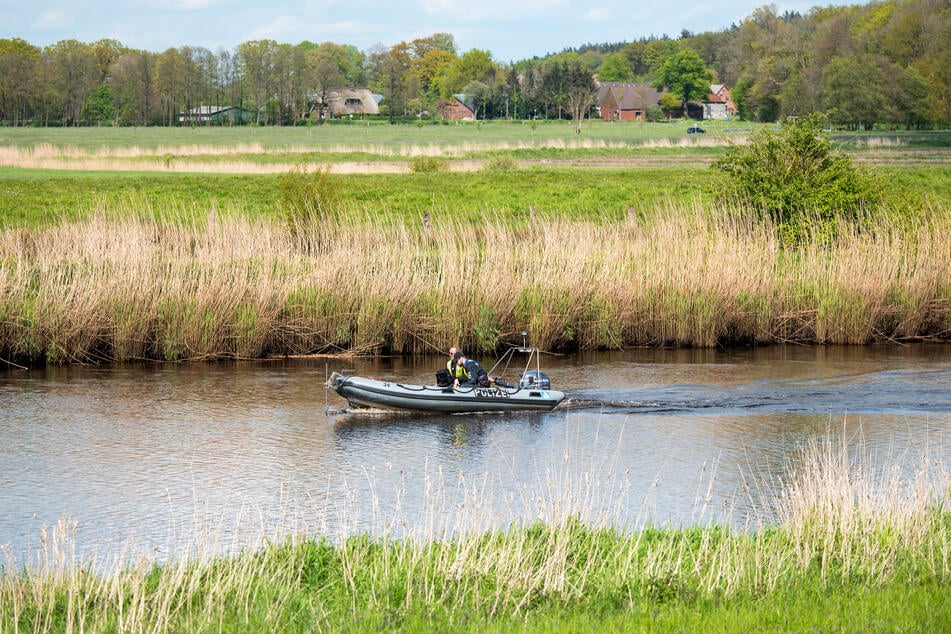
[456, 109]
[719, 105]
[626, 101]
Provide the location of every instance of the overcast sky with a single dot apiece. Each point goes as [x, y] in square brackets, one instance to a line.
[510, 29]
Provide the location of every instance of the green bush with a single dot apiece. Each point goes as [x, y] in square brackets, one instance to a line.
[500, 163]
[796, 177]
[428, 165]
[306, 196]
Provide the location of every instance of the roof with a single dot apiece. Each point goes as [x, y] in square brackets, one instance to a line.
[208, 110]
[630, 95]
[352, 101]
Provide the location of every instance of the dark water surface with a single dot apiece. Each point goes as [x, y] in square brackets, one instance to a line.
[172, 459]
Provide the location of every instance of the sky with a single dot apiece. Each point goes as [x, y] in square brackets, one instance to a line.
[511, 30]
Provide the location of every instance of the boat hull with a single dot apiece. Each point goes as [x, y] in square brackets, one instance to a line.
[369, 393]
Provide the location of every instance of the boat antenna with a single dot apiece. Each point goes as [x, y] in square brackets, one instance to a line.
[524, 338]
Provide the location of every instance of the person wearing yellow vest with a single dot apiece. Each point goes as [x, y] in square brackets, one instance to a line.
[456, 371]
[446, 378]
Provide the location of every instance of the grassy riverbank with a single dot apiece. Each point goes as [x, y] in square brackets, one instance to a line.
[111, 265]
[849, 548]
[225, 286]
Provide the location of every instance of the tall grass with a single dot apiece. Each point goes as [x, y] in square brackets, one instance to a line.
[837, 530]
[224, 286]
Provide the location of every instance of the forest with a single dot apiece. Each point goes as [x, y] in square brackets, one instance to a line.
[881, 64]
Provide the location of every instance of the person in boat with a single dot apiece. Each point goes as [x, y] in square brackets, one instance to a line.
[452, 365]
[445, 378]
[473, 375]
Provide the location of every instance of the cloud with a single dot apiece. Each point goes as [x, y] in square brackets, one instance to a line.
[492, 10]
[54, 19]
[192, 5]
[595, 15]
[278, 29]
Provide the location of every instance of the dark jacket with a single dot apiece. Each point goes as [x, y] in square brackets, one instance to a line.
[475, 375]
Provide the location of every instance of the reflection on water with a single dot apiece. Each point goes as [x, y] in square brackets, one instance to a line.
[166, 455]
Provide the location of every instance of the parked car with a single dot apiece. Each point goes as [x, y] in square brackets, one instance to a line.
[695, 129]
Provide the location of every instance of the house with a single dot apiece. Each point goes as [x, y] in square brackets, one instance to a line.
[456, 109]
[214, 114]
[626, 101]
[343, 102]
[719, 105]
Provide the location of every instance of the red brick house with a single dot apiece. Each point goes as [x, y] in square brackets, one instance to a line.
[626, 101]
[456, 109]
[718, 104]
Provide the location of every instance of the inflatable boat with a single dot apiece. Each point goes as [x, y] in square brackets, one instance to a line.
[532, 393]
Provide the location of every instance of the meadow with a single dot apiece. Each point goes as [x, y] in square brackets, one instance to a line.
[615, 237]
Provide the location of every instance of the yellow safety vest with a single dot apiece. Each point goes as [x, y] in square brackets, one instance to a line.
[457, 372]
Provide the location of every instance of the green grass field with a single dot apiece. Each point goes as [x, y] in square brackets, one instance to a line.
[51, 174]
[38, 197]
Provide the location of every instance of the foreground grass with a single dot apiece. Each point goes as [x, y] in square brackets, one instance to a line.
[849, 548]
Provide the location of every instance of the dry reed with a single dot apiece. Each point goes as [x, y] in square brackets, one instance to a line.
[229, 287]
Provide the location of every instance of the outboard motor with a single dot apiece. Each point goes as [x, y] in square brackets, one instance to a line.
[535, 379]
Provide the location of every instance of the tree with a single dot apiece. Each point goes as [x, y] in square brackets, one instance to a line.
[98, 107]
[570, 85]
[391, 74]
[18, 62]
[669, 103]
[75, 75]
[936, 71]
[326, 63]
[615, 68]
[256, 61]
[474, 65]
[851, 88]
[580, 92]
[685, 76]
[432, 65]
[478, 94]
[132, 93]
[657, 52]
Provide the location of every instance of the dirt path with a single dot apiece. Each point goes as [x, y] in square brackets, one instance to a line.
[883, 157]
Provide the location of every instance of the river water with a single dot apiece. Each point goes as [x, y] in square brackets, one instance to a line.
[174, 460]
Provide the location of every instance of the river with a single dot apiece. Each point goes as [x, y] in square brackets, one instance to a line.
[176, 460]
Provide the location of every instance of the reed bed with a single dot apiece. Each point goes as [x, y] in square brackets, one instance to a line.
[259, 158]
[225, 286]
[834, 529]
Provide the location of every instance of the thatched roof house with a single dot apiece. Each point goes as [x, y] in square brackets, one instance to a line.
[343, 102]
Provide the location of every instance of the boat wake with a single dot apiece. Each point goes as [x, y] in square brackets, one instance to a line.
[619, 405]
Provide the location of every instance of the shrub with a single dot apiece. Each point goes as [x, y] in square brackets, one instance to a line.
[500, 163]
[306, 196]
[428, 165]
[800, 180]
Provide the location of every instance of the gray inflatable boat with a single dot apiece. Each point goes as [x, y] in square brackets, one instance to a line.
[532, 393]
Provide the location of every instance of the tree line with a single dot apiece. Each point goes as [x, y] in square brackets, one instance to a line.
[883, 63]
